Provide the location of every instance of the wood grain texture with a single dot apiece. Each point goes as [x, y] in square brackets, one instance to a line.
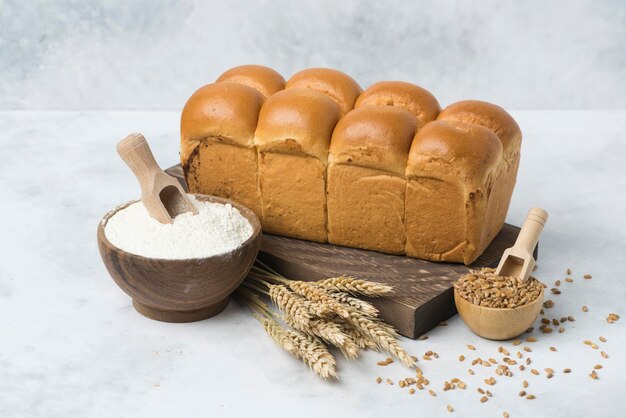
[423, 289]
[181, 290]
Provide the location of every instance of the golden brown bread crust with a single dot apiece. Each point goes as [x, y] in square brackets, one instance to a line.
[366, 185]
[490, 116]
[292, 137]
[217, 142]
[226, 110]
[374, 136]
[297, 121]
[263, 79]
[456, 149]
[450, 173]
[404, 95]
[337, 85]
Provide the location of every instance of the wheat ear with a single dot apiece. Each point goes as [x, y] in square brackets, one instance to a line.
[295, 305]
[350, 349]
[357, 286]
[278, 333]
[378, 333]
[365, 308]
[359, 339]
[316, 293]
[314, 354]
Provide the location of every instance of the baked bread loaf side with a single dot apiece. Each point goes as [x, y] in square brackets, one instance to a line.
[337, 85]
[451, 171]
[292, 138]
[366, 179]
[217, 142]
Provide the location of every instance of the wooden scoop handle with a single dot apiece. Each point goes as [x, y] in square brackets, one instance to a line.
[136, 153]
[531, 230]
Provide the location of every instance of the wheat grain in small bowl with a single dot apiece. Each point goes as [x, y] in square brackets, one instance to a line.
[497, 307]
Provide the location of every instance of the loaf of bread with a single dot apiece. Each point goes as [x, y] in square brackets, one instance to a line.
[383, 169]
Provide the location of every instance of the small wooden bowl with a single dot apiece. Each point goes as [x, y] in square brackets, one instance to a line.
[181, 290]
[498, 323]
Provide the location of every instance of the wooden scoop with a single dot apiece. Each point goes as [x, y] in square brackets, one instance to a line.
[161, 194]
[518, 260]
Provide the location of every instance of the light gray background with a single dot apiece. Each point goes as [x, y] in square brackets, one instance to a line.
[152, 54]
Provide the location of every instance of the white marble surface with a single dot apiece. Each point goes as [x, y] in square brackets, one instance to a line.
[72, 346]
[152, 54]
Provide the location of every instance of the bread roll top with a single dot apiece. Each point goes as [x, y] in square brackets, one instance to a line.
[297, 121]
[338, 86]
[404, 95]
[226, 110]
[453, 149]
[263, 79]
[490, 116]
[374, 136]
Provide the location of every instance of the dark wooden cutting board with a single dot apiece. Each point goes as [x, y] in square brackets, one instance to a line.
[423, 294]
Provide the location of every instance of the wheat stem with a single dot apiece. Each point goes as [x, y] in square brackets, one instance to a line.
[254, 286]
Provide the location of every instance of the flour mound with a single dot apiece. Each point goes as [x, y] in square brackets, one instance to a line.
[216, 229]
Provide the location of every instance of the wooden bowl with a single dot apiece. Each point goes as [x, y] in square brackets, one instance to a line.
[498, 323]
[181, 290]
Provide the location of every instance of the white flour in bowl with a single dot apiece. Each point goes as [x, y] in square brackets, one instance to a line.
[216, 229]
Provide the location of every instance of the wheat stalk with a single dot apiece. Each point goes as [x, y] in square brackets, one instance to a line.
[305, 347]
[364, 307]
[379, 333]
[314, 354]
[322, 311]
[350, 349]
[326, 330]
[296, 315]
[357, 286]
[291, 305]
[316, 293]
[278, 333]
[294, 304]
[383, 335]
[361, 341]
